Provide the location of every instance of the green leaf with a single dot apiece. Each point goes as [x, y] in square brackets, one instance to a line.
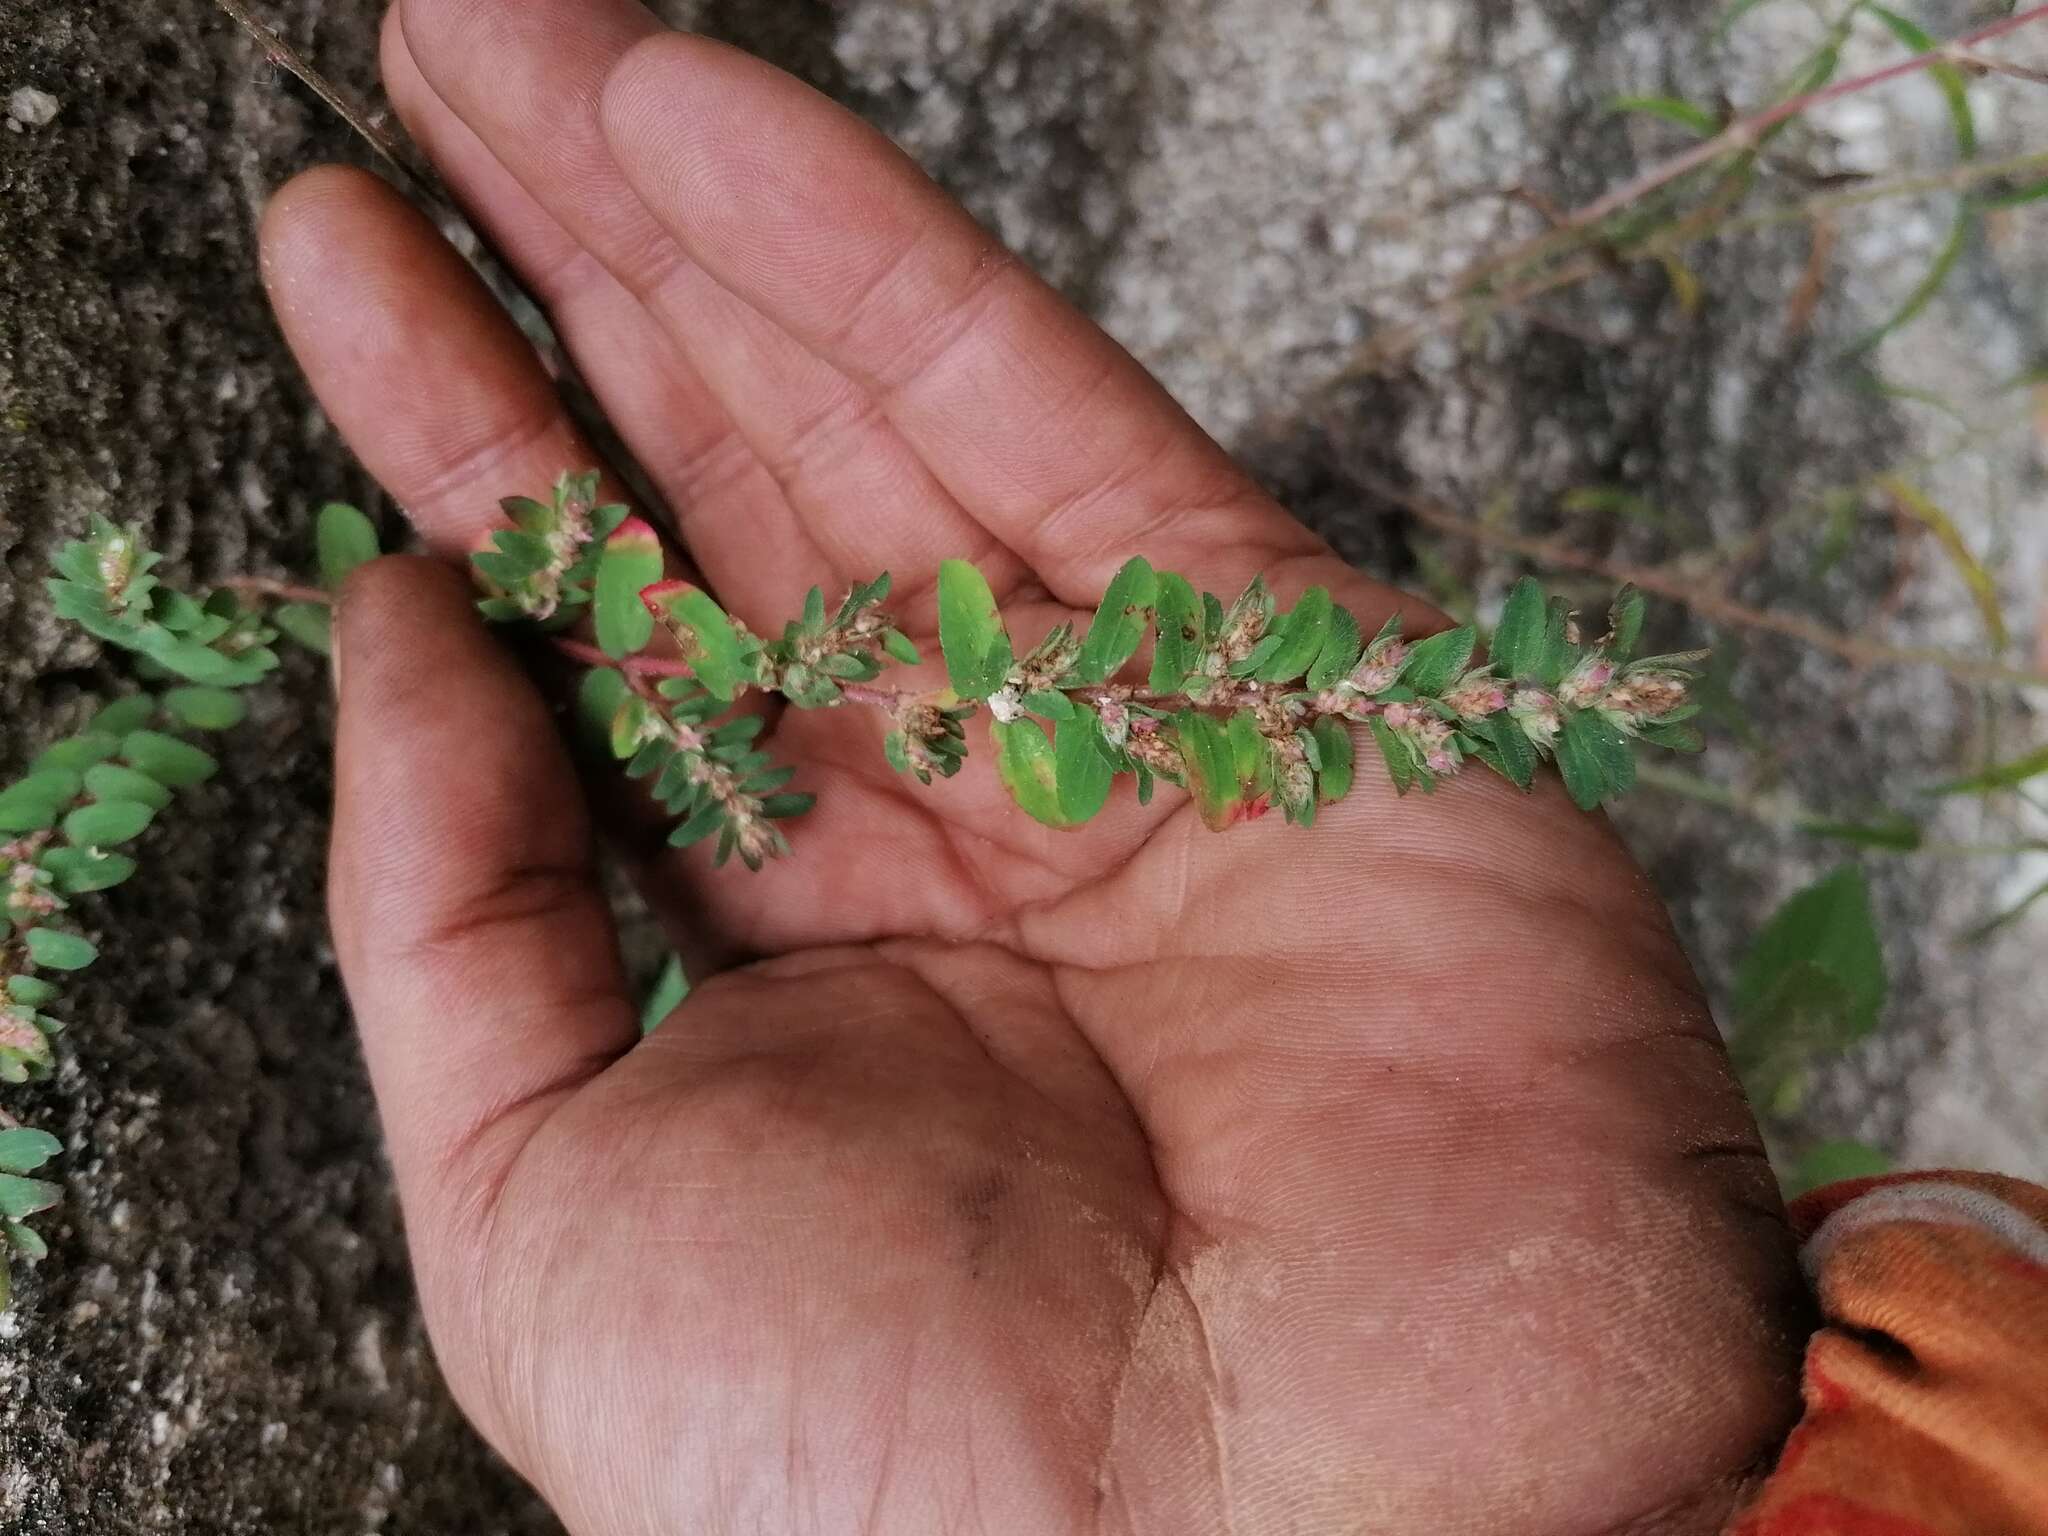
[167, 759]
[77, 753]
[132, 713]
[197, 663]
[1812, 983]
[21, 1197]
[25, 1243]
[1082, 768]
[670, 988]
[206, 709]
[1895, 833]
[1983, 586]
[1211, 767]
[1434, 664]
[2009, 916]
[346, 539]
[2016, 197]
[1514, 753]
[530, 515]
[1251, 757]
[81, 871]
[1255, 659]
[852, 665]
[1517, 648]
[23, 1150]
[1558, 655]
[108, 823]
[599, 697]
[1028, 768]
[1672, 110]
[814, 610]
[1120, 622]
[708, 819]
[1671, 736]
[1833, 1162]
[631, 563]
[1625, 623]
[311, 624]
[55, 950]
[2006, 775]
[1178, 649]
[898, 645]
[1925, 290]
[710, 643]
[111, 781]
[784, 807]
[1398, 755]
[31, 991]
[1945, 75]
[1303, 635]
[1341, 651]
[36, 803]
[1336, 766]
[971, 634]
[1583, 759]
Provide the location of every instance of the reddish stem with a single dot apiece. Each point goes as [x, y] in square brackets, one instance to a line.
[632, 666]
[282, 591]
[1745, 133]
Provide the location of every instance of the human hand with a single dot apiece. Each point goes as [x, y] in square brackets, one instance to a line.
[1388, 1176]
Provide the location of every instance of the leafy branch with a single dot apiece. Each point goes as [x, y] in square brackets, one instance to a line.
[64, 824]
[1625, 223]
[1244, 705]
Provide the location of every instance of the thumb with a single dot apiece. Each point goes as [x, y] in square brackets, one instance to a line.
[473, 935]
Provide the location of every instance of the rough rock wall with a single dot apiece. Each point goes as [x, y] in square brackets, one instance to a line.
[223, 1339]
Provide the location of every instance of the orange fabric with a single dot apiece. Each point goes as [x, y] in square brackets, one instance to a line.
[1927, 1386]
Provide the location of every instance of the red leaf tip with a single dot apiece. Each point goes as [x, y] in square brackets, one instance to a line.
[654, 596]
[634, 530]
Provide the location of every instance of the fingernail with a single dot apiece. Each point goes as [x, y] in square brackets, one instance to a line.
[334, 649]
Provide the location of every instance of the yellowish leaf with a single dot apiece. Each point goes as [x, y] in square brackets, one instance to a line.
[1685, 284]
[1915, 504]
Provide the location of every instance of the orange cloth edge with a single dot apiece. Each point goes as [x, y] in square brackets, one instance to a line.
[1926, 1386]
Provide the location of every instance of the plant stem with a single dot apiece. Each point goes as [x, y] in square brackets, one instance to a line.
[1956, 53]
[1464, 305]
[575, 650]
[1707, 602]
[632, 666]
[279, 591]
[282, 54]
[1744, 133]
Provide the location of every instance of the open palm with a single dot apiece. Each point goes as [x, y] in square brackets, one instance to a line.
[1383, 1177]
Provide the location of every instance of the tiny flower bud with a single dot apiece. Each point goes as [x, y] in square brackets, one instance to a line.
[1646, 695]
[23, 1038]
[1116, 721]
[1589, 680]
[1157, 753]
[1536, 712]
[117, 564]
[1381, 667]
[1478, 696]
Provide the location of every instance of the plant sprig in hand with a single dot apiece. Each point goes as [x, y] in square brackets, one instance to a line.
[1245, 706]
